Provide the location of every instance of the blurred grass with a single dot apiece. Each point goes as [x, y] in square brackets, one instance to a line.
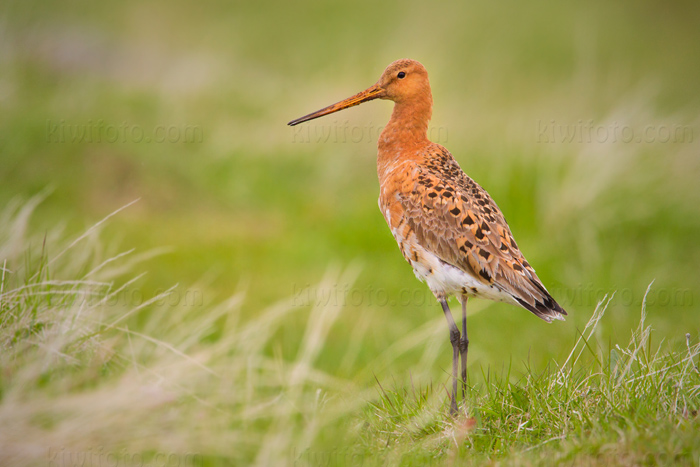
[252, 207]
[82, 383]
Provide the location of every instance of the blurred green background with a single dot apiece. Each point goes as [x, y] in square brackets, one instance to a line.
[581, 120]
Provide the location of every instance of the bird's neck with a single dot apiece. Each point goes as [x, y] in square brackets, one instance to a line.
[406, 133]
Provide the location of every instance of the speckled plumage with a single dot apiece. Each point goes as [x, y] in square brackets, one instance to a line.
[447, 227]
[433, 208]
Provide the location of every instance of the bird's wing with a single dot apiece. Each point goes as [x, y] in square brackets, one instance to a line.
[456, 219]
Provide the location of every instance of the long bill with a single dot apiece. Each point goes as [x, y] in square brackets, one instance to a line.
[368, 94]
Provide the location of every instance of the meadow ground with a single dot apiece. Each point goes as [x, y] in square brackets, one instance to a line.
[252, 307]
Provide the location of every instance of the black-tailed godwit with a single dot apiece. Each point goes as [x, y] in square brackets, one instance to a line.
[447, 227]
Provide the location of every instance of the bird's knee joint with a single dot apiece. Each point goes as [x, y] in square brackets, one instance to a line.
[455, 337]
[463, 344]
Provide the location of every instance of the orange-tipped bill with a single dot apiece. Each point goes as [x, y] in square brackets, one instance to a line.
[364, 96]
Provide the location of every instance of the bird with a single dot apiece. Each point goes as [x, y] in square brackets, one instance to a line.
[447, 226]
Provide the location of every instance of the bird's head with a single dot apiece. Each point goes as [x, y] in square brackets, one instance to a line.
[402, 81]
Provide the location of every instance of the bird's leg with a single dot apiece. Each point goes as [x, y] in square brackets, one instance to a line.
[464, 346]
[454, 340]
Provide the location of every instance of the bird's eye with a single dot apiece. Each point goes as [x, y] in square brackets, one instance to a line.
[401, 74]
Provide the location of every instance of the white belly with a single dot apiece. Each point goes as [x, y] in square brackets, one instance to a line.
[445, 280]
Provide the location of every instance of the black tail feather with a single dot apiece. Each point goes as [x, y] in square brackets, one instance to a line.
[545, 306]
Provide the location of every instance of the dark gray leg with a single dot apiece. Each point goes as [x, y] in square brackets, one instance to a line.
[454, 340]
[464, 346]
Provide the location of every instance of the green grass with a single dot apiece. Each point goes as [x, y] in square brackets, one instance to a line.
[635, 404]
[86, 376]
[290, 228]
